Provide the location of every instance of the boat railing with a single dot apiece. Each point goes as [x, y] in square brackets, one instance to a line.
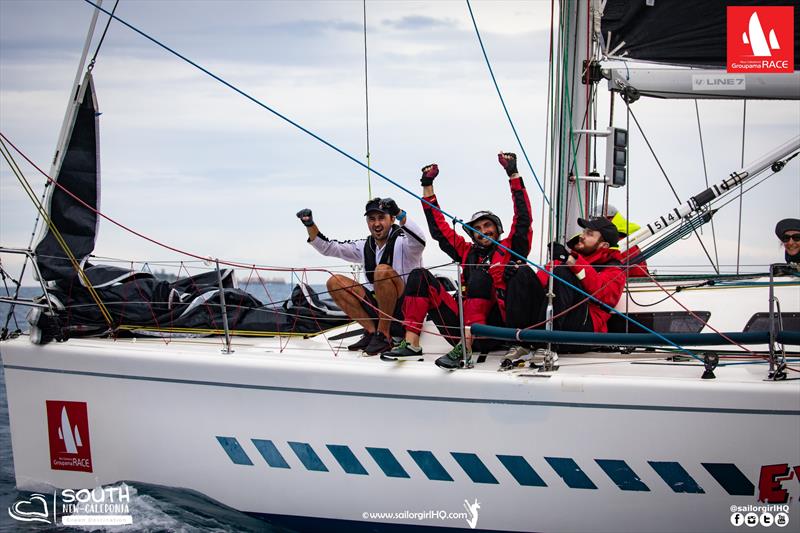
[15, 299]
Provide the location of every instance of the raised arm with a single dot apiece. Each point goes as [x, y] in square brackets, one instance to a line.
[454, 245]
[521, 235]
[352, 251]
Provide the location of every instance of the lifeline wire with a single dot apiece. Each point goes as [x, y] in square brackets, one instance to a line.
[350, 157]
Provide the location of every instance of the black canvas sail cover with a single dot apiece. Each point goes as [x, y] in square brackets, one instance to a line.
[136, 299]
[79, 173]
[676, 32]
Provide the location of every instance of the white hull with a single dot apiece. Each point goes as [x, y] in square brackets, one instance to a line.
[682, 450]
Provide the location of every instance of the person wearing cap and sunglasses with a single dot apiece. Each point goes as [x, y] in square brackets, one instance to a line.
[483, 283]
[788, 231]
[387, 256]
[594, 265]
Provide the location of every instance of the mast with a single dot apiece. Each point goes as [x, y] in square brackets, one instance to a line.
[572, 154]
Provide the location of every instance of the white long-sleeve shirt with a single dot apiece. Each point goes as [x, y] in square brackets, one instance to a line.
[407, 250]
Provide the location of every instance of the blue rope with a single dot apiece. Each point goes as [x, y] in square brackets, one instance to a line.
[502, 101]
[377, 173]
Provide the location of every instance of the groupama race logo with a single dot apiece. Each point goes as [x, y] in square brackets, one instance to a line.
[760, 39]
[68, 432]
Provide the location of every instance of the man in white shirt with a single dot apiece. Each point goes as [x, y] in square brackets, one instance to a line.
[388, 255]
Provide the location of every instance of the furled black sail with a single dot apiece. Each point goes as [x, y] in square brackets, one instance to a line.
[676, 32]
[80, 174]
[132, 299]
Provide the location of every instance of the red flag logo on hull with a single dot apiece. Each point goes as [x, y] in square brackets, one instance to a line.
[68, 432]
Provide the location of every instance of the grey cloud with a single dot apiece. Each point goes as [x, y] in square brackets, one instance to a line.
[418, 22]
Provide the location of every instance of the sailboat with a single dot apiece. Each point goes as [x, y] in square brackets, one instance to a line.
[619, 438]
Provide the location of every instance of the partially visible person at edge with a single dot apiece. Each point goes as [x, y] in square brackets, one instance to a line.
[483, 284]
[788, 231]
[594, 265]
[624, 228]
[388, 255]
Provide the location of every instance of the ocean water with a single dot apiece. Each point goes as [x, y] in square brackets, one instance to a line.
[153, 508]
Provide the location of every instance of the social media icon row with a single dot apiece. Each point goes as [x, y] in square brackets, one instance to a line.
[766, 519]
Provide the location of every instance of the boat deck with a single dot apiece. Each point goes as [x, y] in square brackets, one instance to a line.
[330, 349]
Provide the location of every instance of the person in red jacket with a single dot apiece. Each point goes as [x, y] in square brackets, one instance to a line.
[483, 283]
[594, 265]
[624, 227]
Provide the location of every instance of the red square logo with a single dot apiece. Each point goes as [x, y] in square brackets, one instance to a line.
[761, 39]
[68, 430]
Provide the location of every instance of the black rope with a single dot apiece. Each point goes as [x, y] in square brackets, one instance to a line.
[741, 189]
[702, 244]
[705, 174]
[102, 37]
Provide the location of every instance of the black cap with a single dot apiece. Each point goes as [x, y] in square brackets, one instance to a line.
[376, 204]
[785, 225]
[606, 228]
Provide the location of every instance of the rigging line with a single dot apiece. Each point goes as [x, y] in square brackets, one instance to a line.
[132, 231]
[547, 126]
[366, 101]
[741, 188]
[11, 314]
[628, 297]
[664, 173]
[765, 178]
[102, 38]
[502, 101]
[26, 186]
[705, 174]
[393, 182]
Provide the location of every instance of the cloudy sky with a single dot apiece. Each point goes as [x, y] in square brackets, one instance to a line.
[191, 163]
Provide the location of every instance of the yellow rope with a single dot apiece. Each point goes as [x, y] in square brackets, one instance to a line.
[43, 212]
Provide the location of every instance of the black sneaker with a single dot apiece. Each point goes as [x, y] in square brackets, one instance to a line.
[453, 358]
[378, 344]
[403, 352]
[361, 343]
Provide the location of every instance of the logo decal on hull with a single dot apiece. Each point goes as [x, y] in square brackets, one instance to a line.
[68, 432]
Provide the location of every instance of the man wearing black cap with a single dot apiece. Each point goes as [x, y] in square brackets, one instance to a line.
[389, 253]
[594, 266]
[483, 283]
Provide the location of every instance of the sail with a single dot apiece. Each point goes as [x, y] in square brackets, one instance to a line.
[679, 33]
[78, 173]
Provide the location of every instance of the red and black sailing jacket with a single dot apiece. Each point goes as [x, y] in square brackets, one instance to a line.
[493, 258]
[601, 275]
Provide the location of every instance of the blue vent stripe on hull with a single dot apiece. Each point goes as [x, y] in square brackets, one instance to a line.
[731, 478]
[387, 462]
[522, 471]
[676, 477]
[270, 453]
[347, 459]
[474, 468]
[570, 472]
[429, 465]
[622, 475]
[308, 456]
[234, 450]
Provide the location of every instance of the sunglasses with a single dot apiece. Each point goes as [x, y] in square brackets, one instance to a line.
[795, 237]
